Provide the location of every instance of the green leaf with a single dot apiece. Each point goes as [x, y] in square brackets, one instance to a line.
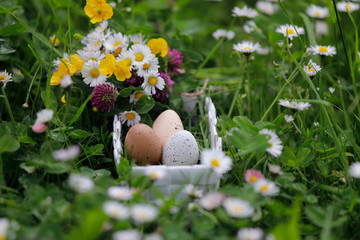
[78, 133]
[245, 124]
[58, 168]
[11, 30]
[26, 139]
[288, 157]
[145, 104]
[5, 49]
[8, 144]
[126, 92]
[94, 150]
[78, 113]
[316, 215]
[192, 56]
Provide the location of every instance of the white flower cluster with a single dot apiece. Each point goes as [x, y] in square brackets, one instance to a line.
[219, 33]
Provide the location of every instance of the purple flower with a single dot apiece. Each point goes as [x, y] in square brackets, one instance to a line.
[135, 80]
[175, 58]
[104, 96]
[160, 96]
[167, 80]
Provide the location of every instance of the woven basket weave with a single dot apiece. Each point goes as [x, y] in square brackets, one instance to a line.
[177, 176]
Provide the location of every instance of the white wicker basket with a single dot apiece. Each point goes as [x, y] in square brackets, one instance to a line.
[177, 176]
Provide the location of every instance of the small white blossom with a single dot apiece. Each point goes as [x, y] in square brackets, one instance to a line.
[300, 106]
[244, 12]
[347, 6]
[155, 173]
[44, 116]
[290, 31]
[130, 234]
[238, 208]
[120, 193]
[142, 213]
[266, 7]
[331, 89]
[246, 47]
[250, 234]
[274, 169]
[211, 200]
[193, 191]
[275, 147]
[289, 118]
[4, 228]
[266, 187]
[321, 28]
[66, 81]
[354, 170]
[317, 11]
[5, 77]
[67, 154]
[116, 210]
[323, 50]
[130, 117]
[219, 33]
[217, 160]
[80, 184]
[311, 69]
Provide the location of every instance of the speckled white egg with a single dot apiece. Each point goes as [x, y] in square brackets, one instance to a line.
[181, 149]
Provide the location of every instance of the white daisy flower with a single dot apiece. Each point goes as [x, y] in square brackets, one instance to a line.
[151, 66]
[142, 54]
[316, 124]
[331, 89]
[238, 208]
[152, 80]
[317, 11]
[347, 6]
[135, 96]
[290, 31]
[66, 81]
[154, 236]
[246, 47]
[263, 50]
[219, 33]
[274, 169]
[44, 116]
[250, 234]
[321, 28]
[193, 191]
[67, 154]
[275, 147]
[131, 117]
[266, 7]
[266, 187]
[250, 26]
[138, 38]
[130, 234]
[354, 170]
[5, 77]
[116, 210]
[80, 184]
[120, 193]
[116, 44]
[92, 75]
[4, 228]
[289, 118]
[128, 57]
[95, 39]
[230, 35]
[142, 213]
[244, 12]
[155, 173]
[300, 106]
[211, 200]
[87, 54]
[217, 160]
[311, 69]
[323, 50]
[101, 27]
[56, 62]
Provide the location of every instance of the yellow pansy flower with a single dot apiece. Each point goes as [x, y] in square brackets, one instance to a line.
[122, 71]
[98, 10]
[158, 45]
[107, 65]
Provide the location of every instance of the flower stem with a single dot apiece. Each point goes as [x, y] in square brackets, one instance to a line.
[291, 77]
[248, 86]
[2, 180]
[9, 109]
[235, 97]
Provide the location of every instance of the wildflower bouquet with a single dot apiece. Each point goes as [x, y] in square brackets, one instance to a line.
[126, 74]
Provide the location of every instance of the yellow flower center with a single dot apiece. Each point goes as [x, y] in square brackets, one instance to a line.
[117, 44]
[146, 66]
[238, 209]
[94, 73]
[152, 81]
[2, 77]
[130, 116]
[117, 52]
[94, 59]
[317, 14]
[136, 42]
[98, 11]
[139, 57]
[97, 43]
[120, 195]
[323, 49]
[264, 188]
[215, 162]
[154, 175]
[2, 236]
[138, 95]
[253, 179]
[310, 70]
[290, 31]
[348, 6]
[247, 48]
[128, 61]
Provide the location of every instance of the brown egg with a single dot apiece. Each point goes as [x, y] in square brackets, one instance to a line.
[143, 144]
[166, 124]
